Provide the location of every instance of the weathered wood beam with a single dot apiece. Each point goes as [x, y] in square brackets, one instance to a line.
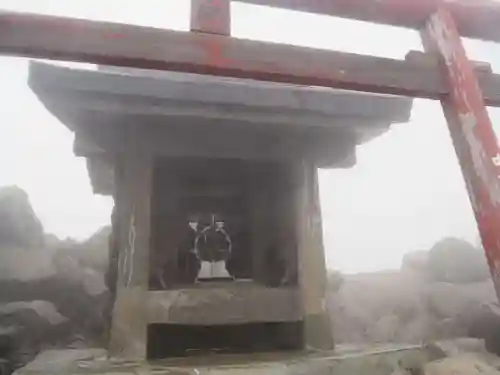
[57, 38]
[474, 18]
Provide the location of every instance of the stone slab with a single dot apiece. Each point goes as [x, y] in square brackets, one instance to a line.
[230, 303]
[349, 361]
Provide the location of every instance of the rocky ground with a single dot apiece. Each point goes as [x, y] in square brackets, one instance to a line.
[53, 295]
[434, 296]
[52, 292]
[451, 357]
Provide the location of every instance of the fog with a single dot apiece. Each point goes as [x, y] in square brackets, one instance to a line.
[405, 193]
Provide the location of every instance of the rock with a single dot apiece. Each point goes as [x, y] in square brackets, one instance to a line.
[25, 264]
[32, 321]
[400, 372]
[335, 281]
[407, 308]
[93, 282]
[43, 309]
[416, 261]
[416, 331]
[52, 299]
[446, 300]
[52, 292]
[69, 267]
[386, 329]
[28, 327]
[19, 226]
[93, 253]
[63, 361]
[485, 324]
[378, 307]
[464, 346]
[463, 365]
[457, 261]
[455, 309]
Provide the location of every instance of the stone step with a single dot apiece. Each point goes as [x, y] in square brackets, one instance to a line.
[344, 361]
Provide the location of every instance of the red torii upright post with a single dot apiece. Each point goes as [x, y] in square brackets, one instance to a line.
[472, 132]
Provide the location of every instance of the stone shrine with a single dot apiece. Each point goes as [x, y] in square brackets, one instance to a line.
[217, 237]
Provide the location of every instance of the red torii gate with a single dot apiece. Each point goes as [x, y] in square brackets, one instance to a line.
[209, 49]
[473, 18]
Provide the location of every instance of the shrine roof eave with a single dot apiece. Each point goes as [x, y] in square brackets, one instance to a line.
[81, 98]
[68, 91]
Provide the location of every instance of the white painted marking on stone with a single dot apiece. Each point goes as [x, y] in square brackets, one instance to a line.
[130, 250]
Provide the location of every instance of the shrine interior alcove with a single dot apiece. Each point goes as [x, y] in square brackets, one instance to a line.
[251, 199]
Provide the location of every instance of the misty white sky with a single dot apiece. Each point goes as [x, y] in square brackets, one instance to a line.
[405, 193]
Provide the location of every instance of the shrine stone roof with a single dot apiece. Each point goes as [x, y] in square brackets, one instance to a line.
[99, 104]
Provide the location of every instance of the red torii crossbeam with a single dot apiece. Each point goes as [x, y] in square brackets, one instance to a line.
[462, 92]
[477, 19]
[60, 38]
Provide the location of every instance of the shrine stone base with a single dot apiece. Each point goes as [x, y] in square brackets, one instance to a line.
[344, 361]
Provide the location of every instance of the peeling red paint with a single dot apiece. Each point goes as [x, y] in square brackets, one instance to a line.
[214, 53]
[211, 16]
[472, 133]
